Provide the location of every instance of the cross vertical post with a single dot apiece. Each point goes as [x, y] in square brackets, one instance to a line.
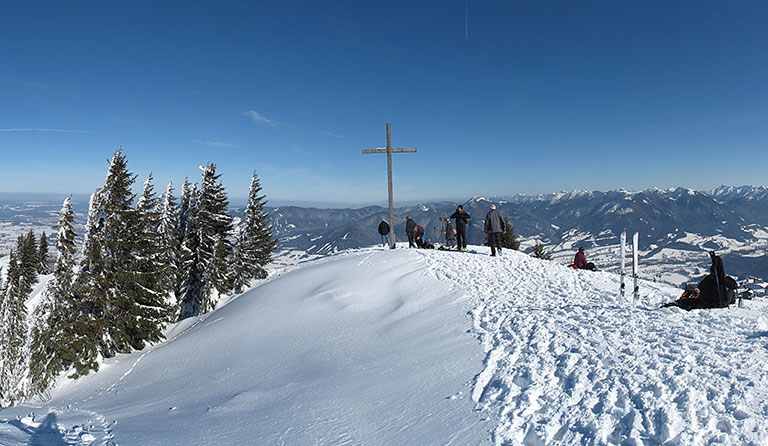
[389, 151]
[389, 189]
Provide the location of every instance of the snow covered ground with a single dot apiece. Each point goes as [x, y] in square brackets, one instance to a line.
[374, 346]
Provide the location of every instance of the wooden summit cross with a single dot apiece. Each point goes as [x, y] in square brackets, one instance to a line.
[389, 151]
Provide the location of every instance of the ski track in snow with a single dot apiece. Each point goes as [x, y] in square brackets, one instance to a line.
[566, 364]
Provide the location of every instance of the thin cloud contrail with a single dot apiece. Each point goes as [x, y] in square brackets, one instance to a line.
[45, 130]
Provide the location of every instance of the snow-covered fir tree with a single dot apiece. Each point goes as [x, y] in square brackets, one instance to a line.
[190, 275]
[206, 240]
[169, 240]
[95, 221]
[257, 241]
[42, 251]
[53, 341]
[13, 326]
[187, 241]
[187, 207]
[540, 252]
[148, 286]
[239, 271]
[107, 283]
[508, 238]
[134, 261]
[218, 277]
[28, 257]
[87, 307]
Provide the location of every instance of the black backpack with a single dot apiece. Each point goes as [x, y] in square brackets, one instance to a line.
[726, 286]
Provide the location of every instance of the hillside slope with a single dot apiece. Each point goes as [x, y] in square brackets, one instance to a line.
[428, 347]
[360, 348]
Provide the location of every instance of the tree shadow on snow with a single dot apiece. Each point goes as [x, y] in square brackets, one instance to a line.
[47, 434]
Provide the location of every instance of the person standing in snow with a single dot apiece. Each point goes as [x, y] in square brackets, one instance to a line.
[580, 261]
[462, 220]
[450, 234]
[384, 232]
[494, 227]
[410, 225]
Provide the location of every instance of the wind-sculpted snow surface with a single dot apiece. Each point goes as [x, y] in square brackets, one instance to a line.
[361, 348]
[565, 364]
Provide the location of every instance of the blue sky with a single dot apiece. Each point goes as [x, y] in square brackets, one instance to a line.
[499, 97]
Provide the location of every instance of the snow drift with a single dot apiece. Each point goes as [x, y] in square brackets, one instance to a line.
[427, 347]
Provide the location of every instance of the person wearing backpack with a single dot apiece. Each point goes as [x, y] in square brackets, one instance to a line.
[494, 227]
[410, 225]
[462, 220]
[384, 232]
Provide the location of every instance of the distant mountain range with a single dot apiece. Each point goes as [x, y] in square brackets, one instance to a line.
[676, 226]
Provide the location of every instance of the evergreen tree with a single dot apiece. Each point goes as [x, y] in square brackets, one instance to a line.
[86, 299]
[28, 257]
[170, 240]
[257, 241]
[22, 275]
[186, 207]
[218, 278]
[508, 238]
[63, 270]
[95, 222]
[52, 337]
[540, 253]
[42, 251]
[106, 292]
[190, 273]
[240, 273]
[88, 296]
[148, 287]
[206, 275]
[13, 329]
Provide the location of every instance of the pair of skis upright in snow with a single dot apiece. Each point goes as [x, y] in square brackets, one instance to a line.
[622, 287]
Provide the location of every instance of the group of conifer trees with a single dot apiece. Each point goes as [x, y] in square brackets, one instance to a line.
[141, 267]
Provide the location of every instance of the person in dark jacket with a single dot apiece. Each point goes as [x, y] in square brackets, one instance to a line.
[384, 232]
[450, 234]
[494, 227]
[580, 261]
[410, 225]
[462, 220]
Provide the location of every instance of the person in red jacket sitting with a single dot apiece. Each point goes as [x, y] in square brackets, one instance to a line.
[580, 261]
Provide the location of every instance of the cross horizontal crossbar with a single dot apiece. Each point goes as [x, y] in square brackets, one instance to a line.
[384, 150]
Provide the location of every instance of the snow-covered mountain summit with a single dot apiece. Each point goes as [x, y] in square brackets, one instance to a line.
[741, 192]
[372, 346]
